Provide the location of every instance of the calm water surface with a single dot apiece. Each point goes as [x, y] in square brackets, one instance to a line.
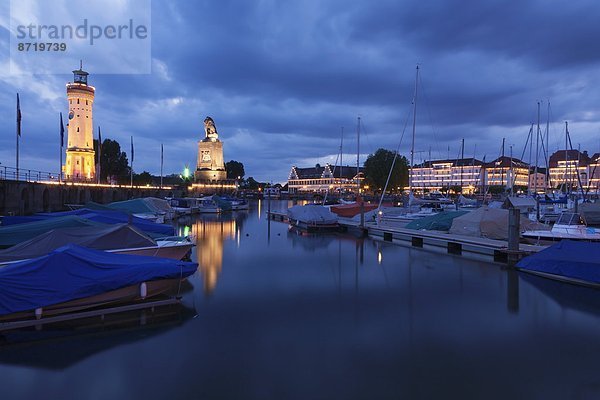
[273, 314]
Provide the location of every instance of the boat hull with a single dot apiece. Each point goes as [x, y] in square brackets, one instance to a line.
[128, 294]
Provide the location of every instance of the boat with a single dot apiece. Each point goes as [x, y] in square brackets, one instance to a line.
[569, 225]
[312, 218]
[349, 210]
[272, 193]
[208, 204]
[183, 206]
[74, 278]
[569, 261]
[236, 204]
[119, 238]
[30, 226]
[150, 208]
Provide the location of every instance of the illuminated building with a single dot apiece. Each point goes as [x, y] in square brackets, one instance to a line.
[79, 163]
[572, 167]
[506, 172]
[438, 174]
[322, 179]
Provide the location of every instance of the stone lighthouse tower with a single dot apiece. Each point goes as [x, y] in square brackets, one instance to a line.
[80, 164]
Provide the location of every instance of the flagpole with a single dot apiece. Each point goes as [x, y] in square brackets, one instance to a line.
[18, 133]
[62, 133]
[131, 171]
[99, 169]
[161, 165]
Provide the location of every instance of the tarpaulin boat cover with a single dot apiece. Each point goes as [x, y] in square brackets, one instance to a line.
[590, 213]
[489, 223]
[352, 209]
[440, 222]
[102, 216]
[73, 272]
[14, 234]
[108, 237]
[567, 258]
[312, 214]
[224, 205]
[133, 206]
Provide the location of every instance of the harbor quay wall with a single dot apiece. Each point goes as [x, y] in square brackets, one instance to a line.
[25, 198]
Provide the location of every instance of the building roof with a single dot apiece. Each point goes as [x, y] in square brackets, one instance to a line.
[505, 161]
[461, 162]
[318, 172]
[569, 155]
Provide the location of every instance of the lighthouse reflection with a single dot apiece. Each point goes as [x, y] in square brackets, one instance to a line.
[210, 232]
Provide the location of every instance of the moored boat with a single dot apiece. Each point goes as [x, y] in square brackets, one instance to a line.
[120, 239]
[312, 218]
[568, 226]
[570, 261]
[74, 278]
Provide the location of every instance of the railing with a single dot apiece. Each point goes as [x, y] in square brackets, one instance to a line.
[26, 175]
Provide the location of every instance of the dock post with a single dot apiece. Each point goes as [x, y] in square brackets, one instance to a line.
[514, 235]
[362, 215]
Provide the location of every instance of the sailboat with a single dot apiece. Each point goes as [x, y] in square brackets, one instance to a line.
[350, 210]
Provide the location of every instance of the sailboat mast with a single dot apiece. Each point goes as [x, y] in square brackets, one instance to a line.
[537, 150]
[547, 180]
[358, 157]
[462, 156]
[566, 153]
[341, 163]
[414, 128]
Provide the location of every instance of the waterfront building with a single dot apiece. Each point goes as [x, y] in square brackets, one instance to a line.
[506, 172]
[571, 168]
[320, 179]
[79, 163]
[594, 174]
[537, 179]
[436, 175]
[210, 175]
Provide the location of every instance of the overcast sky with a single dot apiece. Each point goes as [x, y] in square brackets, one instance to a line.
[281, 79]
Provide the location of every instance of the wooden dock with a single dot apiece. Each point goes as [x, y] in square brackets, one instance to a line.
[472, 247]
[489, 249]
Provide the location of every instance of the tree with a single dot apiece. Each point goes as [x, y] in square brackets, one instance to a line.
[145, 178]
[377, 169]
[234, 169]
[252, 184]
[113, 162]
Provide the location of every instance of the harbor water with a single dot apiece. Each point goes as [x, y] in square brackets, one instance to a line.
[275, 314]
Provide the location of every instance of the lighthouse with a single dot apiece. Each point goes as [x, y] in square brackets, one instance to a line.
[80, 164]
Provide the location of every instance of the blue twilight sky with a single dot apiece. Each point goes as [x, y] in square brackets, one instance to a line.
[280, 79]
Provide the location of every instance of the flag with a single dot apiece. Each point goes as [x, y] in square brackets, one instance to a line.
[18, 116]
[99, 144]
[132, 149]
[62, 132]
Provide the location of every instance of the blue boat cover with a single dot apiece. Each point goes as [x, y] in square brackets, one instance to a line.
[440, 222]
[72, 272]
[103, 216]
[568, 258]
[14, 234]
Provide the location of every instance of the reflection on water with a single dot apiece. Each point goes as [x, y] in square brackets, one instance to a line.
[62, 345]
[339, 317]
[210, 231]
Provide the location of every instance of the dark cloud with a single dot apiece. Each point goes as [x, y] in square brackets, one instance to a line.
[282, 78]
